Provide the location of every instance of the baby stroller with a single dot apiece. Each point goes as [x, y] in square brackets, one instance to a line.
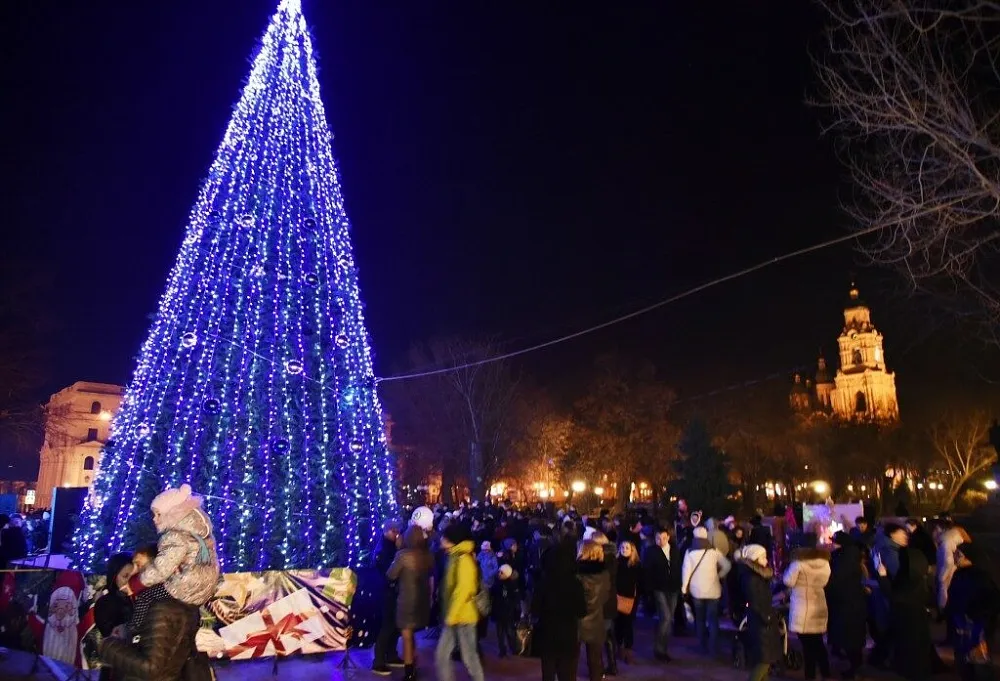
[791, 659]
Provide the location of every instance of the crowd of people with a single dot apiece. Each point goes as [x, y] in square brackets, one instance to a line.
[556, 584]
[22, 535]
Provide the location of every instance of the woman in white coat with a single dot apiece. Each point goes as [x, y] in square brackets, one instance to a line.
[806, 578]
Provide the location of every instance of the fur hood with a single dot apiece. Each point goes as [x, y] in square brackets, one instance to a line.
[764, 571]
[590, 567]
[805, 554]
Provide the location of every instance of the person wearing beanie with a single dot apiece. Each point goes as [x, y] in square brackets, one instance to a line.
[973, 607]
[762, 644]
[702, 573]
[505, 596]
[459, 613]
[186, 561]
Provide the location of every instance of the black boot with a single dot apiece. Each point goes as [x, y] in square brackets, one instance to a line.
[609, 650]
[410, 672]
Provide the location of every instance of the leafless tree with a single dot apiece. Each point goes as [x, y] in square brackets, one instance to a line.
[961, 442]
[461, 419]
[622, 428]
[913, 92]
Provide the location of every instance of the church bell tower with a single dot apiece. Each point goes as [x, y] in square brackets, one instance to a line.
[863, 388]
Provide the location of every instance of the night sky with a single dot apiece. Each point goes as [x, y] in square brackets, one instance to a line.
[517, 169]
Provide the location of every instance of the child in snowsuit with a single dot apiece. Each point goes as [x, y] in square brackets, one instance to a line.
[186, 563]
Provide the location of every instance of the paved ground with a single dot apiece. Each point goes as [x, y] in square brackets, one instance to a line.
[687, 666]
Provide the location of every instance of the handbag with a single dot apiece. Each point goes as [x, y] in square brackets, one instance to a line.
[523, 632]
[626, 604]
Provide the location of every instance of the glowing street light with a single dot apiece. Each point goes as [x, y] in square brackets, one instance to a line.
[599, 491]
[821, 487]
[578, 486]
[990, 485]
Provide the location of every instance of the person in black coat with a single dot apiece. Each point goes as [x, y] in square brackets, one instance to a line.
[629, 585]
[662, 578]
[762, 642]
[909, 624]
[505, 610]
[611, 604]
[164, 650]
[848, 603]
[558, 605]
[921, 540]
[388, 633]
[972, 609]
[114, 608]
[411, 572]
[593, 574]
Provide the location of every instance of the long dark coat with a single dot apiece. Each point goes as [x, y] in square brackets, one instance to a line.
[763, 642]
[909, 624]
[596, 591]
[558, 603]
[845, 594]
[411, 571]
[611, 565]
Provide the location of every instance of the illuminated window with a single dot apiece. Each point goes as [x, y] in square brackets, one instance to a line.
[95, 408]
[88, 463]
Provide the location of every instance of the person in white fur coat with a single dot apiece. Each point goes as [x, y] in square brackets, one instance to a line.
[806, 578]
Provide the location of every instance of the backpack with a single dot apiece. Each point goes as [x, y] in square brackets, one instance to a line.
[482, 597]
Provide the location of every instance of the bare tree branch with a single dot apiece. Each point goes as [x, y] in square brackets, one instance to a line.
[911, 87]
[961, 442]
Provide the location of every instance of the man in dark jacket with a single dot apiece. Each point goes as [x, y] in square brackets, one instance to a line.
[386, 654]
[662, 572]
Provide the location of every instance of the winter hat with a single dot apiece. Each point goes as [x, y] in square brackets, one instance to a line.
[486, 546]
[754, 553]
[505, 571]
[423, 518]
[173, 504]
[700, 533]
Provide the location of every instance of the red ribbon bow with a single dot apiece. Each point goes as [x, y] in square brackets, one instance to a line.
[272, 633]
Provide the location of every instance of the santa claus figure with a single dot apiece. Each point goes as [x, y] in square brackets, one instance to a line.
[62, 629]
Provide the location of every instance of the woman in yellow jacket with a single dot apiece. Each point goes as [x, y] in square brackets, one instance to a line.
[458, 605]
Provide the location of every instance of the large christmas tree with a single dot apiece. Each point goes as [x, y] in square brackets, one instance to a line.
[255, 383]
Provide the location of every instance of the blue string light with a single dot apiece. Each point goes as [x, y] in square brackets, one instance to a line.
[255, 383]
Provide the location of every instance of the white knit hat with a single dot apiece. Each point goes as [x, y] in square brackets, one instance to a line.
[754, 553]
